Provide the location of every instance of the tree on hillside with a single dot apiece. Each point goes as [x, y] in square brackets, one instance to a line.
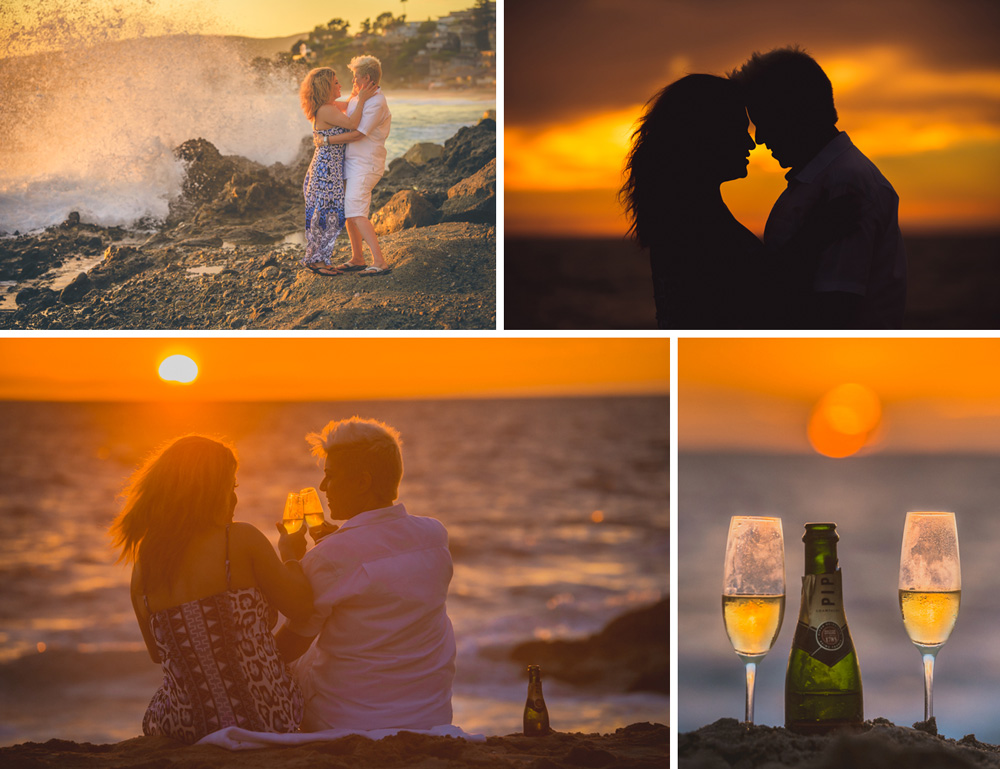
[483, 19]
[366, 27]
[338, 27]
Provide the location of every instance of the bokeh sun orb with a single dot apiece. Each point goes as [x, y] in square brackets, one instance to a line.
[844, 420]
[178, 368]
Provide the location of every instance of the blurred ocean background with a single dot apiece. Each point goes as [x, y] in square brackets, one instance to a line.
[517, 483]
[868, 498]
[595, 283]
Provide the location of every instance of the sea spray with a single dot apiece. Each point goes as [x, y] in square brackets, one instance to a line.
[92, 127]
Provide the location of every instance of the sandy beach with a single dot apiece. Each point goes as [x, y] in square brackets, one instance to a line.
[639, 746]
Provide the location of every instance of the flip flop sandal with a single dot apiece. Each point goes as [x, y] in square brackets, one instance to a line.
[326, 272]
[348, 267]
[373, 270]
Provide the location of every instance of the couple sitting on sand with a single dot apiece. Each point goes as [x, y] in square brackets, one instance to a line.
[338, 185]
[832, 255]
[367, 629]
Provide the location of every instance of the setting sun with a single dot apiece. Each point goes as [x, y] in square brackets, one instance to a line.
[844, 420]
[178, 368]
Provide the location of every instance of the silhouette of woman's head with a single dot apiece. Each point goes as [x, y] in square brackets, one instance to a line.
[692, 136]
[790, 100]
[180, 491]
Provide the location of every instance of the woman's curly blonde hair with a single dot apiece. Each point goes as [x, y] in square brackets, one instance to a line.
[315, 90]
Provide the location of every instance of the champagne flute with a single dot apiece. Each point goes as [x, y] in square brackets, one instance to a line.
[930, 588]
[312, 508]
[293, 515]
[753, 591]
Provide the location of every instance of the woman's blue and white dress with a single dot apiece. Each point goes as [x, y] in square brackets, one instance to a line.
[324, 193]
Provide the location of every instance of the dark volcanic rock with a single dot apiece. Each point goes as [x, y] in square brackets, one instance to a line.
[76, 290]
[473, 199]
[406, 209]
[630, 653]
[207, 169]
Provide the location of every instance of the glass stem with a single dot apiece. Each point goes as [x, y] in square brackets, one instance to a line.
[929, 684]
[751, 681]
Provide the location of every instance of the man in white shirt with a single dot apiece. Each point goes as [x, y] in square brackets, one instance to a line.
[384, 651]
[860, 279]
[364, 165]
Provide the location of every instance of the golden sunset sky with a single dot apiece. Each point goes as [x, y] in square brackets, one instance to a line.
[26, 25]
[758, 394]
[297, 369]
[916, 84]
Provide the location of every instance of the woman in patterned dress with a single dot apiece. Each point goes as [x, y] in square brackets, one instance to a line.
[205, 592]
[323, 187]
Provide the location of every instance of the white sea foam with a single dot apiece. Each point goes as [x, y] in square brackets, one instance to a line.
[93, 129]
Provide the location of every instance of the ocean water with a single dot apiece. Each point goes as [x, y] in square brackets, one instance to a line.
[953, 282]
[867, 497]
[100, 140]
[515, 482]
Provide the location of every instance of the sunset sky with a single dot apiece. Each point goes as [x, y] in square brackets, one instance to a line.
[239, 369]
[916, 84]
[42, 21]
[758, 394]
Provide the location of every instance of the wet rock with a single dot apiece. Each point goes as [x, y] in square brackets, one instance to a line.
[76, 290]
[73, 220]
[400, 169]
[33, 299]
[473, 199]
[630, 654]
[120, 263]
[421, 153]
[270, 272]
[406, 209]
[249, 236]
[207, 169]
[471, 148]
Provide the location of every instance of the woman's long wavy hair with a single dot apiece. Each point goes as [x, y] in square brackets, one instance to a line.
[315, 90]
[669, 146]
[180, 489]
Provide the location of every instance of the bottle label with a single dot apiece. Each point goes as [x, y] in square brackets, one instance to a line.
[821, 631]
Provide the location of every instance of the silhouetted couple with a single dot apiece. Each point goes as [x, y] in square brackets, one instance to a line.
[367, 622]
[832, 255]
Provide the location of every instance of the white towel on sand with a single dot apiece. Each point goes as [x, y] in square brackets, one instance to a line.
[234, 738]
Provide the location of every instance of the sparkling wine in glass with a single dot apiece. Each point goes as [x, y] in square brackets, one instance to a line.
[312, 507]
[753, 592]
[292, 517]
[930, 588]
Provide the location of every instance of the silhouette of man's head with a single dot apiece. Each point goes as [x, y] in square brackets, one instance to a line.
[692, 136]
[790, 101]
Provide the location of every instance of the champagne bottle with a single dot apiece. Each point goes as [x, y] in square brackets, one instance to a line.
[536, 715]
[823, 680]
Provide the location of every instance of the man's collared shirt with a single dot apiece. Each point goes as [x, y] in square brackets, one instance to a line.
[367, 154]
[385, 656]
[870, 260]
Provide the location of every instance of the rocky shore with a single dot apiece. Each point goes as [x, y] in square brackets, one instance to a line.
[228, 255]
[881, 745]
[631, 654]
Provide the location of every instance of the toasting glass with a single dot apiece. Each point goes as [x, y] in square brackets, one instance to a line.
[930, 588]
[293, 515]
[753, 592]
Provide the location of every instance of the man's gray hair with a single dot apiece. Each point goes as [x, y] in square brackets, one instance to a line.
[367, 65]
[364, 444]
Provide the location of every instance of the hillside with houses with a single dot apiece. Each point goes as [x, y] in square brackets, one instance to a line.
[456, 51]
